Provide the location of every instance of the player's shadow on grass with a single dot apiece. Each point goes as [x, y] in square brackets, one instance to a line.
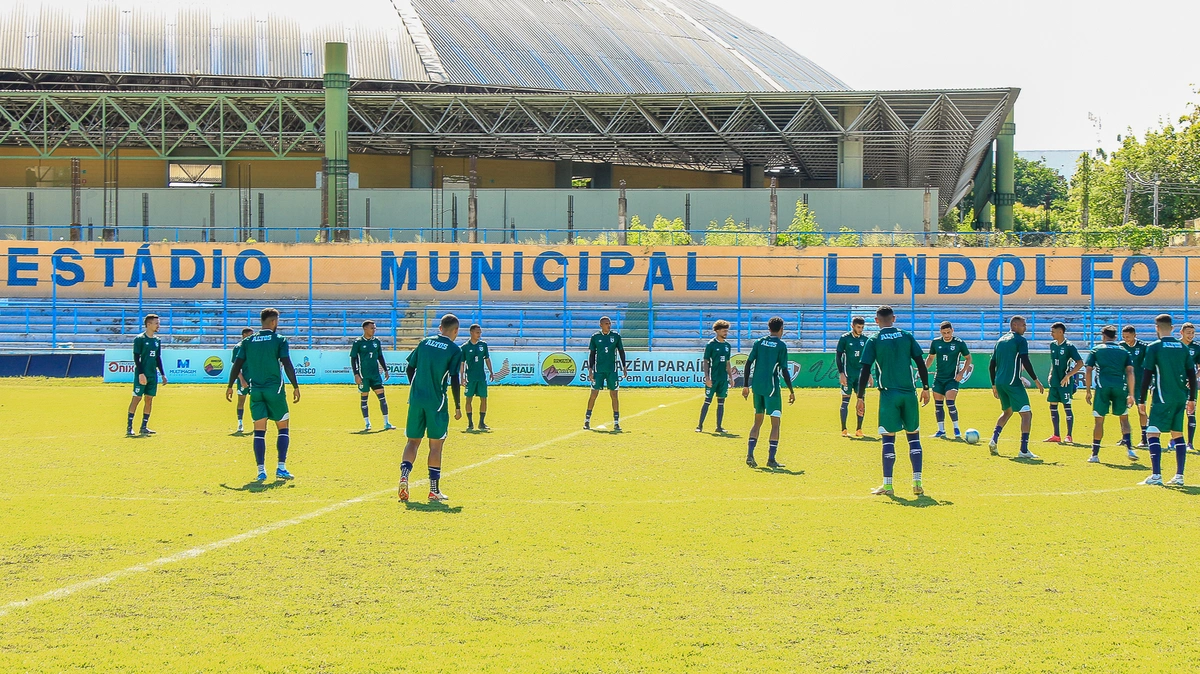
[865, 438]
[238, 434]
[1190, 491]
[779, 471]
[373, 431]
[432, 507]
[726, 434]
[1033, 462]
[922, 501]
[256, 487]
[1127, 466]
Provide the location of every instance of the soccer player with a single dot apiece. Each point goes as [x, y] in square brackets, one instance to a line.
[718, 368]
[1137, 350]
[474, 357]
[1010, 354]
[263, 354]
[1114, 392]
[947, 353]
[431, 366]
[770, 355]
[1169, 367]
[243, 386]
[147, 365]
[1187, 335]
[1065, 363]
[603, 350]
[895, 350]
[849, 361]
[370, 371]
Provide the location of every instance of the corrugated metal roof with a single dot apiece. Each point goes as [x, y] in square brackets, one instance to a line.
[606, 46]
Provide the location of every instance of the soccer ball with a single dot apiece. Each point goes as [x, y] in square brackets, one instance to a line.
[971, 436]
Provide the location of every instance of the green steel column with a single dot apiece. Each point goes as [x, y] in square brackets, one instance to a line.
[983, 191]
[337, 162]
[1005, 183]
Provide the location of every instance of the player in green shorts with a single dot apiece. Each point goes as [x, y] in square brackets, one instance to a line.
[370, 371]
[475, 356]
[147, 365]
[432, 366]
[1187, 335]
[1010, 354]
[895, 351]
[953, 360]
[770, 356]
[718, 364]
[1065, 363]
[243, 385]
[603, 351]
[1137, 350]
[849, 358]
[263, 354]
[1170, 369]
[1113, 367]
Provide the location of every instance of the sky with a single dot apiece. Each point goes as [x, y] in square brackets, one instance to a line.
[1130, 64]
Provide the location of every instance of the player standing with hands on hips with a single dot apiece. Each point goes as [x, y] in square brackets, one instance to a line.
[603, 351]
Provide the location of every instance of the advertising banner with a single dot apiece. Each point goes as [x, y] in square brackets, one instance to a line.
[522, 273]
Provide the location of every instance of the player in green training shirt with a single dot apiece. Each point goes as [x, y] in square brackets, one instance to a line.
[264, 353]
[895, 351]
[953, 360]
[1065, 363]
[243, 385]
[718, 363]
[849, 361]
[1169, 367]
[1187, 335]
[147, 365]
[1113, 368]
[370, 371]
[765, 366]
[475, 356]
[432, 366]
[1010, 354]
[605, 352]
[1137, 350]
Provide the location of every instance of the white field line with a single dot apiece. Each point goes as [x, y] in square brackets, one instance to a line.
[191, 553]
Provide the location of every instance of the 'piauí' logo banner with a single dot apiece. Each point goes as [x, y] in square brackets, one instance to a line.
[686, 274]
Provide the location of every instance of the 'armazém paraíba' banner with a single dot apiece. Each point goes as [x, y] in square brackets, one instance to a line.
[523, 273]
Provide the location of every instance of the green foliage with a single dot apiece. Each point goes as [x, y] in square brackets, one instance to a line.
[804, 221]
[662, 232]
[733, 233]
[1037, 183]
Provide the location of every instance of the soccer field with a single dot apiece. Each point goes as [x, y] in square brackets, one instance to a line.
[563, 550]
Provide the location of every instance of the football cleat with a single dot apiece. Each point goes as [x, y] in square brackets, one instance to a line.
[1068, 440]
[1132, 455]
[720, 430]
[699, 429]
[404, 489]
[940, 434]
[262, 476]
[587, 425]
[883, 490]
[1122, 443]
[282, 474]
[438, 496]
[918, 490]
[1176, 481]
[129, 432]
[845, 433]
[147, 431]
[470, 427]
[858, 433]
[389, 427]
[1153, 480]
[1191, 448]
[616, 427]
[368, 426]
[993, 448]
[751, 462]
[1093, 459]
[1053, 438]
[957, 435]
[484, 427]
[1027, 455]
[772, 463]
[1143, 445]
[240, 429]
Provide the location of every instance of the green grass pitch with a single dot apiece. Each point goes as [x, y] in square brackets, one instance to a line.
[569, 551]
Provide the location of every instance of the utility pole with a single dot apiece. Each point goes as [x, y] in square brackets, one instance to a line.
[1087, 185]
[1128, 198]
[1156, 184]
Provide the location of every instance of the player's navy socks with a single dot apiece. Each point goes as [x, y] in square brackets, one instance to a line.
[1145, 436]
[1191, 429]
[588, 416]
[1054, 417]
[383, 405]
[1025, 443]
[1128, 439]
[889, 456]
[1095, 447]
[996, 434]
[953, 410]
[130, 424]
[362, 405]
[704, 412]
[616, 417]
[1155, 455]
[470, 419]
[914, 451]
[750, 450]
[1070, 419]
[241, 413]
[860, 421]
[482, 415]
[405, 469]
[281, 444]
[845, 412]
[720, 412]
[145, 420]
[772, 447]
[1180, 455]
[435, 476]
[939, 413]
[260, 447]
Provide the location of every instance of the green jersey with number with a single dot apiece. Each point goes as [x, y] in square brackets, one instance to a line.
[1007, 354]
[1137, 353]
[769, 356]
[364, 357]
[893, 350]
[435, 359]
[606, 348]
[1061, 357]
[717, 355]
[1110, 361]
[149, 350]
[1169, 359]
[474, 355]
[849, 355]
[262, 352]
[947, 356]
